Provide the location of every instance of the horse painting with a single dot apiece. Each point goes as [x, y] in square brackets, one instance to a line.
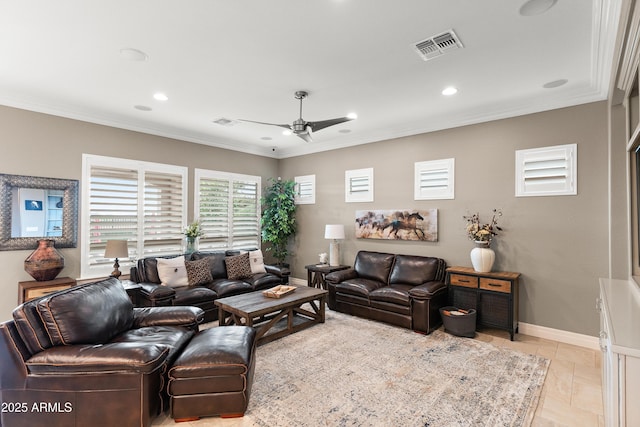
[398, 225]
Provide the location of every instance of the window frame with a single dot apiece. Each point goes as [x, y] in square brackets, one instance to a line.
[89, 269]
[305, 180]
[206, 244]
[360, 196]
[439, 192]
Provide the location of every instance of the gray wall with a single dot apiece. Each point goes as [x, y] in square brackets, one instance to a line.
[559, 244]
[42, 145]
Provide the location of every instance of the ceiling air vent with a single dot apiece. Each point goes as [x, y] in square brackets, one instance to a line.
[437, 45]
[224, 122]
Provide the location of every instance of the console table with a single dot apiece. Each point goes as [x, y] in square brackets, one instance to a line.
[31, 289]
[493, 295]
[317, 272]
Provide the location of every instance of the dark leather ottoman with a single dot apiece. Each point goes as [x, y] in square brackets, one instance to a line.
[214, 374]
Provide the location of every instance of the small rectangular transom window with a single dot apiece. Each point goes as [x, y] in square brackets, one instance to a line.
[547, 171]
[305, 189]
[358, 185]
[434, 179]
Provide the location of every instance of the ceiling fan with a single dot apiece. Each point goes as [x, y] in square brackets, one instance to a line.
[302, 128]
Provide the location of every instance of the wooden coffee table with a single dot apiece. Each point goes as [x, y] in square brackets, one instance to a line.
[273, 317]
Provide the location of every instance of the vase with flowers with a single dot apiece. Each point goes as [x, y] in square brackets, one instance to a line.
[192, 234]
[482, 256]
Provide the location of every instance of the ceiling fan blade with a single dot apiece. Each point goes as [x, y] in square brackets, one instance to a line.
[306, 136]
[316, 126]
[268, 124]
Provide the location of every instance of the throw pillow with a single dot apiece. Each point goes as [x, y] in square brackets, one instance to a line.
[198, 271]
[172, 271]
[238, 267]
[257, 262]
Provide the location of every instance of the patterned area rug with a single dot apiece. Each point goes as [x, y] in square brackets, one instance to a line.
[355, 372]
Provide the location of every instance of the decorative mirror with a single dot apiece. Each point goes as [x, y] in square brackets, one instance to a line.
[34, 208]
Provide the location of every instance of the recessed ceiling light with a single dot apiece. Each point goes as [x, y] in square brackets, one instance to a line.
[266, 138]
[448, 91]
[555, 83]
[160, 97]
[142, 107]
[133, 54]
[345, 131]
[287, 132]
[536, 7]
[352, 116]
[225, 122]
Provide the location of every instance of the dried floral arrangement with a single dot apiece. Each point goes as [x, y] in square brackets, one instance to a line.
[479, 232]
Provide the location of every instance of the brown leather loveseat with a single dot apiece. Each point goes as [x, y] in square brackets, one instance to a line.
[218, 284]
[85, 356]
[403, 290]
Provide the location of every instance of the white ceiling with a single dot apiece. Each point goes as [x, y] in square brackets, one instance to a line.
[245, 59]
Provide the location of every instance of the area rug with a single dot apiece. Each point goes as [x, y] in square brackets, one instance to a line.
[355, 372]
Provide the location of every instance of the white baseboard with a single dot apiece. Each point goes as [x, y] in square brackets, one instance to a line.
[580, 340]
[559, 335]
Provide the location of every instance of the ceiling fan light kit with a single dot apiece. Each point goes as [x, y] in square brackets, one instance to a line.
[301, 127]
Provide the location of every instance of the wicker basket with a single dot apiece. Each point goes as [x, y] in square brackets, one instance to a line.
[463, 325]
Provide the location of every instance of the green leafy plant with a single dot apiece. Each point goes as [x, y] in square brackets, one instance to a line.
[278, 216]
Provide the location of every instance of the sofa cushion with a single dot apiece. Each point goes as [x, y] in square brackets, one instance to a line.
[262, 281]
[360, 287]
[148, 269]
[172, 271]
[415, 270]
[216, 262]
[374, 265]
[87, 314]
[238, 267]
[397, 294]
[30, 327]
[226, 287]
[193, 296]
[256, 260]
[198, 271]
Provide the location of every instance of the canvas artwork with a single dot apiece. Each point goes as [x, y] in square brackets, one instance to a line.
[398, 224]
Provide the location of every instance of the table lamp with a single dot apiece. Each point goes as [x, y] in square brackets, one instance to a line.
[334, 232]
[116, 249]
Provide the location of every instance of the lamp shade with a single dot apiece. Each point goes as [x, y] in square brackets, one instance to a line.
[334, 231]
[116, 249]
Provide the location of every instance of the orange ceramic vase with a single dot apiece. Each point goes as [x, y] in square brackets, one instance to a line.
[45, 263]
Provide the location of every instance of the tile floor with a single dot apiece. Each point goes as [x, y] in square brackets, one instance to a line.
[571, 396]
[572, 392]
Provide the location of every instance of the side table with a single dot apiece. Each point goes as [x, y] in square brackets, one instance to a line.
[132, 289]
[317, 272]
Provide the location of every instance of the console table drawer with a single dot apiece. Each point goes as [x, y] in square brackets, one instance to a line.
[495, 285]
[462, 280]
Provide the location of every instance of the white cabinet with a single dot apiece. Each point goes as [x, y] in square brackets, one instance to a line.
[619, 306]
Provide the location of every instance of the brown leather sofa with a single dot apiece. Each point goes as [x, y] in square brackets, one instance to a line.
[85, 356]
[152, 293]
[403, 290]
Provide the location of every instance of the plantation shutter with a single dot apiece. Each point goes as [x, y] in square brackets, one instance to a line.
[113, 212]
[163, 213]
[434, 179]
[359, 185]
[547, 171]
[228, 207]
[140, 202]
[305, 189]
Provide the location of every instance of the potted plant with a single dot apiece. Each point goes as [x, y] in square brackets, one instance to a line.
[278, 217]
[192, 233]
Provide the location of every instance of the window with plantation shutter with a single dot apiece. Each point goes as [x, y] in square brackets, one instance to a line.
[359, 185]
[434, 179]
[141, 202]
[547, 171]
[305, 189]
[228, 205]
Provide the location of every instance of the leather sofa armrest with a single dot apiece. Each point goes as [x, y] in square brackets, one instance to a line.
[156, 294]
[278, 270]
[186, 316]
[427, 290]
[341, 275]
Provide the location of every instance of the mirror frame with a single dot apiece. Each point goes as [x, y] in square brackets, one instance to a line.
[69, 236]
